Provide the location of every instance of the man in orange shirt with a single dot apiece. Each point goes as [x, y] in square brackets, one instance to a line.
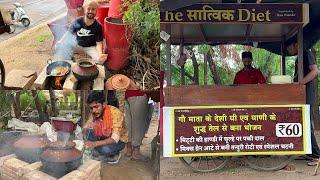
[248, 75]
[105, 130]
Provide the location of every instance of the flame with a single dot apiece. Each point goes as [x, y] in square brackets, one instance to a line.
[58, 82]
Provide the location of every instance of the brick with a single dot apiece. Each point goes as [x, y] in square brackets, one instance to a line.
[14, 164]
[29, 168]
[89, 166]
[8, 177]
[7, 171]
[94, 176]
[4, 158]
[93, 172]
[75, 175]
[37, 175]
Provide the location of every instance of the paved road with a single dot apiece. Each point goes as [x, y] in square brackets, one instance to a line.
[38, 10]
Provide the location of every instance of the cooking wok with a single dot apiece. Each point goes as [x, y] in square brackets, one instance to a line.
[29, 147]
[53, 68]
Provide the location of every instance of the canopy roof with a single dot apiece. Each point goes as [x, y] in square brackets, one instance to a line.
[269, 35]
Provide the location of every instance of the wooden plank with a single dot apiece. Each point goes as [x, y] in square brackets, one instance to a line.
[292, 32]
[20, 79]
[248, 31]
[283, 57]
[41, 81]
[235, 95]
[98, 84]
[70, 83]
[168, 56]
[300, 54]
[102, 71]
[203, 33]
[86, 85]
[234, 39]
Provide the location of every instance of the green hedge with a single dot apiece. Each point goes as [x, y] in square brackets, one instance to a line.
[26, 98]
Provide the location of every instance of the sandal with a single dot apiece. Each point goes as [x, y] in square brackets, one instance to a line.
[128, 153]
[140, 158]
[314, 162]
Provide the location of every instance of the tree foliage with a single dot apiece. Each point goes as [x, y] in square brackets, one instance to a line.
[5, 105]
[143, 19]
[26, 98]
[228, 61]
[142, 16]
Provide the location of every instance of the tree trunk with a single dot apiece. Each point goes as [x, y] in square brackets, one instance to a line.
[205, 69]
[182, 75]
[77, 99]
[53, 103]
[38, 105]
[174, 68]
[195, 68]
[213, 68]
[65, 99]
[316, 107]
[16, 104]
[315, 110]
[84, 109]
[265, 67]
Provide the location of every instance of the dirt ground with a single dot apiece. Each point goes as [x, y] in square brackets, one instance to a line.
[133, 170]
[236, 169]
[28, 51]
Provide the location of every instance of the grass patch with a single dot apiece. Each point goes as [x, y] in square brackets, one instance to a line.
[42, 38]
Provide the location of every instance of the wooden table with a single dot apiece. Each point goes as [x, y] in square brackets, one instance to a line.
[20, 79]
[71, 82]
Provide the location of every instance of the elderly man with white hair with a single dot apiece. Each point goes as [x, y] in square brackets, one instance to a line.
[84, 34]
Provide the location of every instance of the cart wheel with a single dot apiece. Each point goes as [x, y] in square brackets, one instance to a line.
[269, 163]
[205, 163]
[2, 74]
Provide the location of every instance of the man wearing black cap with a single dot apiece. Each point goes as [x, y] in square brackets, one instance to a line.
[248, 75]
[310, 72]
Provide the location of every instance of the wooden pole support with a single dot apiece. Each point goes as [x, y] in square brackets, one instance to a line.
[317, 167]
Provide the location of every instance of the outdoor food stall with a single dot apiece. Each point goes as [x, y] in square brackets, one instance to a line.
[33, 147]
[205, 125]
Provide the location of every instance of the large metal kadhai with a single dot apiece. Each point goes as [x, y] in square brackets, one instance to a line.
[58, 68]
[29, 147]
